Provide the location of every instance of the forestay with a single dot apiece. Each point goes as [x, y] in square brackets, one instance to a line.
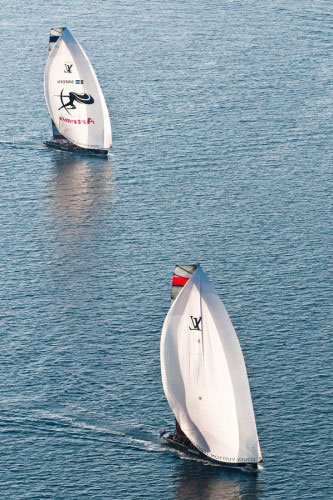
[204, 375]
[74, 97]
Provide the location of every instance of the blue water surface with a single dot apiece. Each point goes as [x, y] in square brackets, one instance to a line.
[221, 115]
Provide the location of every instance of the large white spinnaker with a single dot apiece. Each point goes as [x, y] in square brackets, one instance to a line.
[74, 97]
[204, 375]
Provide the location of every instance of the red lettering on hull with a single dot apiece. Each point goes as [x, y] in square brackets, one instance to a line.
[76, 122]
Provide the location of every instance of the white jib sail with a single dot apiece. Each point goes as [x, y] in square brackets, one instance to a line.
[204, 375]
[74, 97]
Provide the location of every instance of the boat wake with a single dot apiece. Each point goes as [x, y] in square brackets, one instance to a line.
[145, 445]
[21, 143]
[99, 428]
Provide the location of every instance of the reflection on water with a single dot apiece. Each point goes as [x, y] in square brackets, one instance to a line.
[197, 481]
[80, 188]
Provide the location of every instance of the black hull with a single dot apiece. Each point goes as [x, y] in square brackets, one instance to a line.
[186, 446]
[65, 146]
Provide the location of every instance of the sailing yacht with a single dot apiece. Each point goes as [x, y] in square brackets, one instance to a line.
[80, 118]
[204, 375]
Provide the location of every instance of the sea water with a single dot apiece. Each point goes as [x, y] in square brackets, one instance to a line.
[221, 114]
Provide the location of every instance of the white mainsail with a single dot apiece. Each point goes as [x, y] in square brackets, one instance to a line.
[204, 375]
[73, 95]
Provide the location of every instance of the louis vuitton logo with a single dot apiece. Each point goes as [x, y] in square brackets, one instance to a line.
[195, 323]
[68, 68]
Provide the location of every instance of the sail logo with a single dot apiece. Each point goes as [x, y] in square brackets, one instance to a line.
[80, 82]
[72, 98]
[195, 323]
[68, 68]
[76, 122]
